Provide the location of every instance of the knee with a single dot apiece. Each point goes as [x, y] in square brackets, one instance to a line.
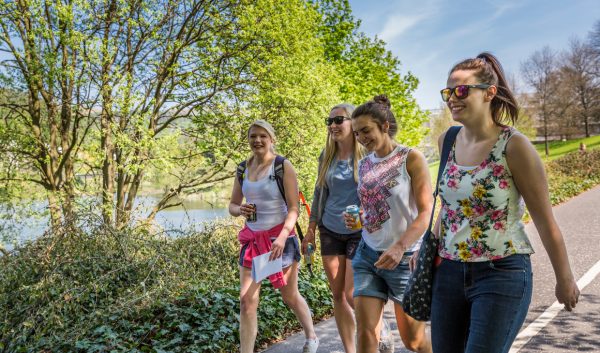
[338, 296]
[349, 298]
[290, 299]
[248, 305]
[365, 331]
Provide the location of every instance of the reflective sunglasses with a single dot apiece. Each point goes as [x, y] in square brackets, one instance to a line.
[460, 91]
[336, 119]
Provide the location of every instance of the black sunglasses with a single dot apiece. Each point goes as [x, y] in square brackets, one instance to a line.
[336, 119]
[460, 91]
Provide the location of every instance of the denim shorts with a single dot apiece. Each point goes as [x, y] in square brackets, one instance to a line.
[370, 281]
[333, 243]
[479, 306]
[291, 252]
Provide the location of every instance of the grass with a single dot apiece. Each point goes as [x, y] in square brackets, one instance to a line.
[560, 148]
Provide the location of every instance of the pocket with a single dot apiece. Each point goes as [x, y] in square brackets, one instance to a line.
[511, 263]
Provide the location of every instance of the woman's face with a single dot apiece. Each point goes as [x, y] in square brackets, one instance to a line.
[477, 102]
[368, 133]
[259, 139]
[340, 132]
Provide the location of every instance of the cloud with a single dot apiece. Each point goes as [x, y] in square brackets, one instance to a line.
[396, 25]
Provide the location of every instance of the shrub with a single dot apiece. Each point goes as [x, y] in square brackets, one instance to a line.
[101, 290]
[572, 174]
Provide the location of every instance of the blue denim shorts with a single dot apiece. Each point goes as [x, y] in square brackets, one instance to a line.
[370, 281]
[291, 252]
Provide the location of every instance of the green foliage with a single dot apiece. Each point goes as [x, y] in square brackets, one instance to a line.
[134, 291]
[572, 174]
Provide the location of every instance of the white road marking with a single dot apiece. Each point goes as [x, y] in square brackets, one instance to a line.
[538, 324]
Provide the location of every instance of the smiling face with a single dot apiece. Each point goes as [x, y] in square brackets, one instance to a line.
[343, 131]
[368, 133]
[477, 102]
[259, 139]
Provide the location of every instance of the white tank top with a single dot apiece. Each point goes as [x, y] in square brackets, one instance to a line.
[271, 209]
[386, 196]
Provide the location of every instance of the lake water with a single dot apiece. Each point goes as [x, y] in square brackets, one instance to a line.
[191, 213]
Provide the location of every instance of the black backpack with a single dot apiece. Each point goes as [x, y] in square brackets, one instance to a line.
[240, 175]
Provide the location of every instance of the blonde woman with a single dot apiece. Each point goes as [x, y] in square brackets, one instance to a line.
[269, 227]
[334, 190]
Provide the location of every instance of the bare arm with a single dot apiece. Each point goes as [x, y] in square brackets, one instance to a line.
[530, 179]
[236, 207]
[416, 166]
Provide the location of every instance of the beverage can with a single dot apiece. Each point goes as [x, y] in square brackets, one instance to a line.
[309, 258]
[252, 217]
[354, 211]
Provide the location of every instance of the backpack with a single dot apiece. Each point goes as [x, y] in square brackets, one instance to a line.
[240, 174]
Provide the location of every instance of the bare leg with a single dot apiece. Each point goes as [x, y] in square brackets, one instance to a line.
[368, 322]
[291, 296]
[412, 332]
[339, 274]
[249, 297]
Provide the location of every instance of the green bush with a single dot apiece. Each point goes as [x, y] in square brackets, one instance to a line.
[100, 290]
[572, 174]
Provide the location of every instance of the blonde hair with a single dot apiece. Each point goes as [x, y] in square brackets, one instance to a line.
[331, 150]
[268, 127]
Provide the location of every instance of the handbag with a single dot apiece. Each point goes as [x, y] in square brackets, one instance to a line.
[418, 292]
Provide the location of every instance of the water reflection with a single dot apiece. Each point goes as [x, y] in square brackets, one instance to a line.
[191, 213]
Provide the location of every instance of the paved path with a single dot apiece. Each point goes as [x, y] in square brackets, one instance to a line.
[546, 328]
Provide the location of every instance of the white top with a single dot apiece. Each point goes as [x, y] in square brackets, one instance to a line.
[387, 199]
[271, 208]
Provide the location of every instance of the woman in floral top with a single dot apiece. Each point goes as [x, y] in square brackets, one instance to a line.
[482, 287]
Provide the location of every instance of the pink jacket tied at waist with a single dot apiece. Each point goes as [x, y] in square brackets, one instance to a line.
[259, 242]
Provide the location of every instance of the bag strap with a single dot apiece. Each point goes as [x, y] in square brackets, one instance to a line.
[279, 175]
[240, 172]
[446, 147]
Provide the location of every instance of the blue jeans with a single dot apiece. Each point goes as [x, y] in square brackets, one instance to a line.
[479, 307]
[370, 281]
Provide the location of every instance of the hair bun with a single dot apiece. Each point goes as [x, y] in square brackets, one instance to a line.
[383, 100]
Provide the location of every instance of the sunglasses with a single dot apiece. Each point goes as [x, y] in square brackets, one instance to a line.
[460, 91]
[336, 119]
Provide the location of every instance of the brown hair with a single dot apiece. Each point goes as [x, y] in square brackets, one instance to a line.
[379, 109]
[488, 70]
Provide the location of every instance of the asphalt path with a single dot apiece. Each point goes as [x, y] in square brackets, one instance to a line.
[548, 327]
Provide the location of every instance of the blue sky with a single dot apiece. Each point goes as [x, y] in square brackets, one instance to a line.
[429, 36]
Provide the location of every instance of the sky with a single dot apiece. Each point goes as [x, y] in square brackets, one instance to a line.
[430, 36]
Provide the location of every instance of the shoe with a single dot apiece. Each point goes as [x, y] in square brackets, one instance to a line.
[386, 340]
[310, 346]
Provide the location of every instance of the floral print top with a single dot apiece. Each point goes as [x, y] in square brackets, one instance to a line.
[481, 209]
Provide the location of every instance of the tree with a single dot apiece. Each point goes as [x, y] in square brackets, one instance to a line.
[540, 72]
[367, 68]
[46, 113]
[578, 69]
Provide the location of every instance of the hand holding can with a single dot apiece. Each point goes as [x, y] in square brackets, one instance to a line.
[252, 217]
[353, 211]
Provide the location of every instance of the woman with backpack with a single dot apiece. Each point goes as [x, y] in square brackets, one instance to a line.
[269, 226]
